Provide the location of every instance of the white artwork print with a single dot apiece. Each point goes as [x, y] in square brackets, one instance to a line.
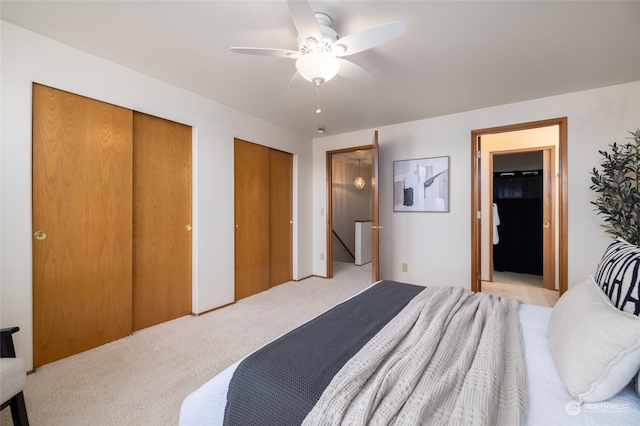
[421, 185]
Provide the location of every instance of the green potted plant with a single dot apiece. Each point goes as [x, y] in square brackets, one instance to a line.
[618, 191]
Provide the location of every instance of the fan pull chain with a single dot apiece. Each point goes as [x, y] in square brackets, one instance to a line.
[318, 110]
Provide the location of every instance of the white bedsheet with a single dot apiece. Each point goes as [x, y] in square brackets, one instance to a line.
[548, 402]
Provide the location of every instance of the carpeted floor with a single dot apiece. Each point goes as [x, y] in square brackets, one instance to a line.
[142, 379]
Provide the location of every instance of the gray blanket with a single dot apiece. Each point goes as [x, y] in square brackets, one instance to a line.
[280, 383]
[451, 357]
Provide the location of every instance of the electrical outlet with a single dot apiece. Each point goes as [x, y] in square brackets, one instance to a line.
[321, 256]
[405, 267]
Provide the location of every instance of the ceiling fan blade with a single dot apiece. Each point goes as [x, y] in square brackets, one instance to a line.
[265, 51]
[366, 39]
[304, 20]
[354, 72]
[296, 80]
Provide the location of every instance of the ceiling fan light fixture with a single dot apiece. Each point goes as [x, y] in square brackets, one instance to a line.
[320, 49]
[339, 49]
[311, 43]
[318, 67]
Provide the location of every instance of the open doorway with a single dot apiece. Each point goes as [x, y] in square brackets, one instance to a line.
[518, 196]
[350, 207]
[488, 145]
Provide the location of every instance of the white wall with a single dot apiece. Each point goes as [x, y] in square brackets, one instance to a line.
[28, 57]
[437, 246]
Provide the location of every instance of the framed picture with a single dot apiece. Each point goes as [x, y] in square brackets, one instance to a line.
[421, 185]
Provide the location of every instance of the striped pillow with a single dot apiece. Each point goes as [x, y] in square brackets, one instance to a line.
[618, 275]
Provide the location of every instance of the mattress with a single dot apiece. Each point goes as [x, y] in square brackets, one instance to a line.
[548, 402]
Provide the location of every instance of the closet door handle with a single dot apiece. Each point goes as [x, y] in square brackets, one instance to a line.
[546, 224]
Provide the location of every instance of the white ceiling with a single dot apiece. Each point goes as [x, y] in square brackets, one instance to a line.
[456, 56]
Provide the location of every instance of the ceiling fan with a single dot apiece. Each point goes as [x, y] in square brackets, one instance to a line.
[320, 52]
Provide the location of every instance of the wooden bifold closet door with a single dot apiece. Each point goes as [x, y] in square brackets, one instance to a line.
[280, 217]
[263, 188]
[161, 220]
[251, 206]
[111, 199]
[82, 201]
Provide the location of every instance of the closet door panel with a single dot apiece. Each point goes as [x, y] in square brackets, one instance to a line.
[161, 220]
[280, 217]
[251, 206]
[82, 192]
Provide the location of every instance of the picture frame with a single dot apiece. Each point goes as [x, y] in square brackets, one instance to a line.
[421, 185]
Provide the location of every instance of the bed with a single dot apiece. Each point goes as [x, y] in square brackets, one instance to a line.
[510, 375]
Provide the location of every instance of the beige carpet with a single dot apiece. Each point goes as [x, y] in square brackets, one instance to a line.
[142, 379]
[530, 294]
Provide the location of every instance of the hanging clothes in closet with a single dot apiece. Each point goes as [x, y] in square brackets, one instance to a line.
[518, 198]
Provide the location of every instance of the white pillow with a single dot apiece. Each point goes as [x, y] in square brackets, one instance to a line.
[595, 346]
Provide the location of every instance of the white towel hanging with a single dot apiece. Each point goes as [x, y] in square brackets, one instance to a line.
[496, 222]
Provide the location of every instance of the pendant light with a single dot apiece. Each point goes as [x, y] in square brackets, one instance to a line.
[359, 181]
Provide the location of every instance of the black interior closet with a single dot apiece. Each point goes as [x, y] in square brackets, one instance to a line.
[518, 198]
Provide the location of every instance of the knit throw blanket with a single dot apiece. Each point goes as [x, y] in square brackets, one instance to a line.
[450, 357]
